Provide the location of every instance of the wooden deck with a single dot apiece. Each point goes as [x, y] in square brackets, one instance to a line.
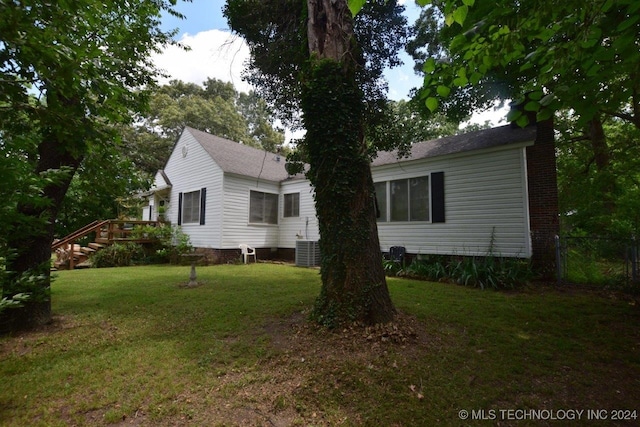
[70, 255]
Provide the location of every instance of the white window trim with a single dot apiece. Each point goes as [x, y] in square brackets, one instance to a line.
[284, 205]
[388, 181]
[262, 224]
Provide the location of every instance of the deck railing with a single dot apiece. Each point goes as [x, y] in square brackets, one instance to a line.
[107, 232]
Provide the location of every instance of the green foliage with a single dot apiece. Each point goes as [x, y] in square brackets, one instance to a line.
[574, 54]
[69, 72]
[118, 255]
[483, 272]
[14, 301]
[215, 107]
[277, 36]
[391, 267]
[98, 189]
[404, 125]
[169, 242]
[595, 200]
[598, 261]
[23, 289]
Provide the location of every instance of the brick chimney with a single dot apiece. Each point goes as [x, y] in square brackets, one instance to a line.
[543, 199]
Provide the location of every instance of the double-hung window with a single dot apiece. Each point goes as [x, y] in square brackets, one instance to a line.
[292, 205]
[191, 207]
[263, 208]
[411, 199]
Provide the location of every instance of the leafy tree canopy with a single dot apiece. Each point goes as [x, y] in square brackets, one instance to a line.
[69, 72]
[214, 107]
[277, 35]
[585, 189]
[574, 55]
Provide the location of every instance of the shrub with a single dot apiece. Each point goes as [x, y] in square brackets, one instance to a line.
[171, 242]
[433, 267]
[118, 255]
[483, 272]
[391, 267]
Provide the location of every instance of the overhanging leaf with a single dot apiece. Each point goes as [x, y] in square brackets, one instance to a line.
[355, 6]
[547, 99]
[513, 115]
[532, 106]
[460, 81]
[460, 14]
[429, 66]
[522, 121]
[544, 114]
[443, 91]
[432, 104]
[449, 20]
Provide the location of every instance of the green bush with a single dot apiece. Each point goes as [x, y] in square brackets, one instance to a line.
[170, 242]
[433, 267]
[483, 272]
[391, 267]
[118, 255]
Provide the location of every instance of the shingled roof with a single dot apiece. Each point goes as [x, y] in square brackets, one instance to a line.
[241, 159]
[485, 138]
[244, 160]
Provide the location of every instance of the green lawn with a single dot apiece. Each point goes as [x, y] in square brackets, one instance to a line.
[131, 346]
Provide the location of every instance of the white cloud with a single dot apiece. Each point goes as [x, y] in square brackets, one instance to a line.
[214, 53]
[222, 55]
[496, 115]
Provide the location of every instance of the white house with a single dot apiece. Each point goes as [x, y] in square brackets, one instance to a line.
[462, 195]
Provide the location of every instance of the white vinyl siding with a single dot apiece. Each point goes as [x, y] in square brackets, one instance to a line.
[236, 225]
[191, 173]
[485, 201]
[304, 226]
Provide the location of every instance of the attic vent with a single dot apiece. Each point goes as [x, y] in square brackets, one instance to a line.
[307, 253]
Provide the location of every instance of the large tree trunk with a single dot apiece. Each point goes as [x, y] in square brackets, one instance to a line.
[353, 281]
[32, 245]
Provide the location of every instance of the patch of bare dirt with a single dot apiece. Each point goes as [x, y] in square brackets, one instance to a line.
[307, 360]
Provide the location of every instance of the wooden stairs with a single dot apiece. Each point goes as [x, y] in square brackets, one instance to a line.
[70, 255]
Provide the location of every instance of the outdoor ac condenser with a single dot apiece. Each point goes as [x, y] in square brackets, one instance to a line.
[307, 253]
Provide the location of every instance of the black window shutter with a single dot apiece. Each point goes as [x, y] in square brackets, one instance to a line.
[180, 209]
[203, 203]
[437, 197]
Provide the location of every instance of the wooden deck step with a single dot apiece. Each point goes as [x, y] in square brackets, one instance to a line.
[95, 246]
[83, 264]
[87, 251]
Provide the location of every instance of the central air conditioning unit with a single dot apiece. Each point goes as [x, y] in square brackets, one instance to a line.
[307, 253]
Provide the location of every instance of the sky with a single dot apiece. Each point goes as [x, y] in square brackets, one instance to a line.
[217, 53]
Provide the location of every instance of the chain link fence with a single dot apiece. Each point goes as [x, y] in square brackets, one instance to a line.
[608, 263]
